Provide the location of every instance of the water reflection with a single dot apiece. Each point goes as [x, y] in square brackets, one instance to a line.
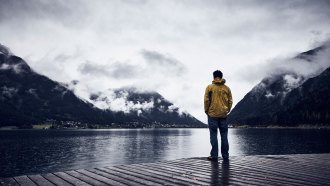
[220, 172]
[225, 174]
[278, 141]
[31, 151]
[215, 175]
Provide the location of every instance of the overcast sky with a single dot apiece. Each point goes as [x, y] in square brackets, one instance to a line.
[169, 46]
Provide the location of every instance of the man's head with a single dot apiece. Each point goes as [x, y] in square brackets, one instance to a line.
[217, 73]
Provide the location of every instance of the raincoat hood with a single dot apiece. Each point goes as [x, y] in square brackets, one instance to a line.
[218, 80]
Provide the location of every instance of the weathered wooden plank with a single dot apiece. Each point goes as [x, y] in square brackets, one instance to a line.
[297, 165]
[133, 178]
[193, 165]
[174, 171]
[271, 174]
[170, 174]
[56, 180]
[150, 175]
[283, 170]
[114, 177]
[39, 180]
[85, 178]
[275, 160]
[183, 176]
[168, 179]
[141, 175]
[244, 179]
[70, 179]
[186, 174]
[100, 178]
[246, 172]
[283, 173]
[24, 180]
[8, 182]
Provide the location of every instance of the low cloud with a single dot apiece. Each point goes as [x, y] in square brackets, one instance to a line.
[162, 62]
[116, 70]
[305, 66]
[89, 68]
[118, 101]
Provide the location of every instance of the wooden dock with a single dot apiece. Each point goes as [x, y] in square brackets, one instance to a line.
[302, 169]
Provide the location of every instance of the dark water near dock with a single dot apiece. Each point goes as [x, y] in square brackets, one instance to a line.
[41, 151]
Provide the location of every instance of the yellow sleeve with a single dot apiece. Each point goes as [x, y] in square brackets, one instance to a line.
[206, 100]
[230, 99]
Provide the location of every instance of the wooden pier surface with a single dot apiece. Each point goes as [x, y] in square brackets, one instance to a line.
[302, 169]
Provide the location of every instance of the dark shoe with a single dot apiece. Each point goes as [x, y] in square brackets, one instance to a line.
[210, 158]
[225, 159]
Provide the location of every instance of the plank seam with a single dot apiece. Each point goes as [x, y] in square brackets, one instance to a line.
[57, 177]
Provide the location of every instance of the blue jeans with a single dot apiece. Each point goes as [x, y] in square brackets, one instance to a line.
[214, 124]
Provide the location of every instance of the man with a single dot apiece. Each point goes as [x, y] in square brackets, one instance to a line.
[217, 105]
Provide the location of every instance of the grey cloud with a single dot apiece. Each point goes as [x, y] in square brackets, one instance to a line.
[119, 16]
[93, 69]
[256, 18]
[117, 70]
[67, 13]
[63, 58]
[306, 66]
[156, 59]
[123, 70]
[54, 64]
[155, 63]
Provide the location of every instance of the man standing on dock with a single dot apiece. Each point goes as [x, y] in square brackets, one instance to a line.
[217, 105]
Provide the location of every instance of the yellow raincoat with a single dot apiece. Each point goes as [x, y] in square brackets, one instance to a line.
[217, 99]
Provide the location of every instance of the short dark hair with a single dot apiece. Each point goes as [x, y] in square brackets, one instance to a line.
[217, 73]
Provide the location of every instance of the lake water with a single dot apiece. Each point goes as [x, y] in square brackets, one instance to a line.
[41, 151]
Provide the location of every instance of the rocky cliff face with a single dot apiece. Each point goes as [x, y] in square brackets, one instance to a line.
[287, 98]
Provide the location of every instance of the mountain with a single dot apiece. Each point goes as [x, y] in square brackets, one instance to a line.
[287, 99]
[309, 103]
[27, 97]
[144, 107]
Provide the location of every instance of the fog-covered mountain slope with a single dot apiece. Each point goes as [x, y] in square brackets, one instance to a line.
[142, 106]
[291, 97]
[309, 103]
[27, 97]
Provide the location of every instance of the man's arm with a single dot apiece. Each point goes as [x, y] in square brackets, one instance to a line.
[230, 100]
[207, 100]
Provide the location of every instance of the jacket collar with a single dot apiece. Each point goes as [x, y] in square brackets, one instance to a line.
[218, 80]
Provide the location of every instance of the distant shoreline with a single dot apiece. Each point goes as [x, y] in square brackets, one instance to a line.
[283, 127]
[43, 127]
[232, 127]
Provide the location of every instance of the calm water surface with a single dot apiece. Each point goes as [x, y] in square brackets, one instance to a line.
[41, 151]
